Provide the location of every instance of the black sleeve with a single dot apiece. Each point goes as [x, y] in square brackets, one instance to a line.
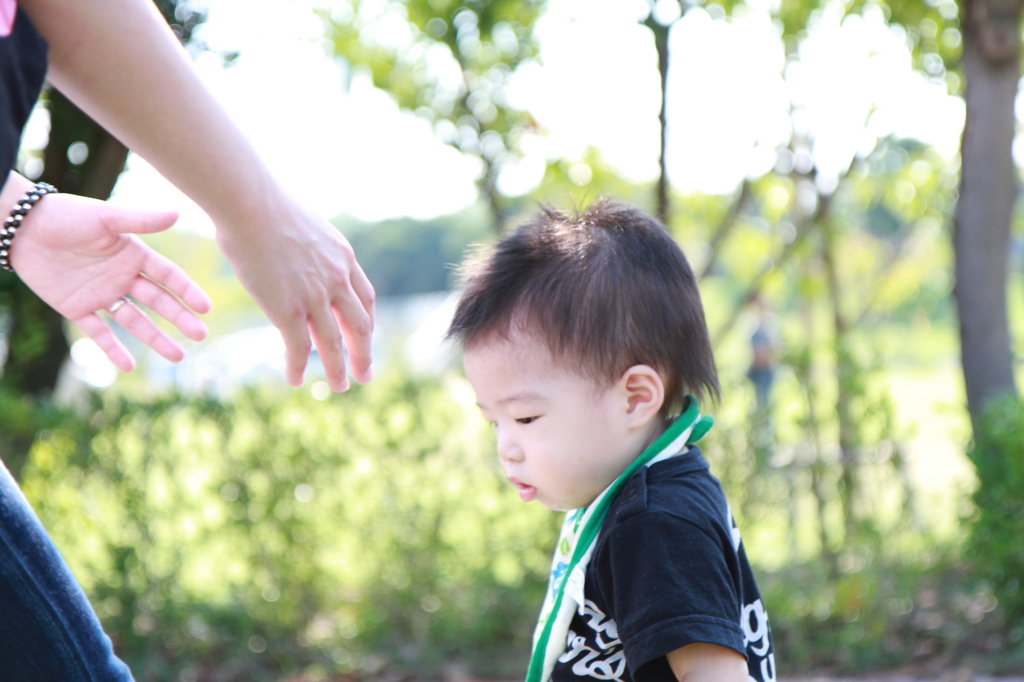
[22, 69]
[669, 583]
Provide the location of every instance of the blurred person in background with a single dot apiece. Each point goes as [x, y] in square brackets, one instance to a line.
[119, 62]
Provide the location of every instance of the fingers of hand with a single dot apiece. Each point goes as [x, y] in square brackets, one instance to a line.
[168, 307]
[138, 324]
[364, 290]
[327, 337]
[356, 321]
[297, 347]
[173, 278]
[97, 330]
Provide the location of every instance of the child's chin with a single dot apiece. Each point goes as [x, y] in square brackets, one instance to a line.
[553, 505]
[564, 506]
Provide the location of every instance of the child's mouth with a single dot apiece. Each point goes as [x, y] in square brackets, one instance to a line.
[526, 492]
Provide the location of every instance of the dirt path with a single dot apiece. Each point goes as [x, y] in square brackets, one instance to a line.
[951, 676]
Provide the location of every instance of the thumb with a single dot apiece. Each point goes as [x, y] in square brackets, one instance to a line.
[135, 221]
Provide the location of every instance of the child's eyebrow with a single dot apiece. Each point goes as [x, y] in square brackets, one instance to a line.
[525, 396]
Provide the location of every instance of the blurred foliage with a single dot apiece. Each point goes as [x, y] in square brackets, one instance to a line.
[583, 180]
[931, 28]
[405, 256]
[24, 417]
[995, 549]
[408, 256]
[283, 533]
[890, 588]
[449, 62]
[278, 535]
[885, 219]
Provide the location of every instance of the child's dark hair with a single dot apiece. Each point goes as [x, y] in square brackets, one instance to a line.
[605, 289]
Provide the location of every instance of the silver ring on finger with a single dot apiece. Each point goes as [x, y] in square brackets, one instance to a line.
[118, 304]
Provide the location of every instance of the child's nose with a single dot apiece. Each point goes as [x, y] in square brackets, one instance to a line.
[508, 449]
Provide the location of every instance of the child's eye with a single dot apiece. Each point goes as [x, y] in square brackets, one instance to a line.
[526, 420]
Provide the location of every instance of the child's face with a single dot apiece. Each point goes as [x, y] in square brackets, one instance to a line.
[562, 438]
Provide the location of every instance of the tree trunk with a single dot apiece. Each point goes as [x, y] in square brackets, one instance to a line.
[97, 175]
[988, 189]
[804, 368]
[845, 371]
[661, 44]
[725, 227]
[488, 188]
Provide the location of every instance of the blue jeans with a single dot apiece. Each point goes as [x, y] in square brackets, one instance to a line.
[48, 631]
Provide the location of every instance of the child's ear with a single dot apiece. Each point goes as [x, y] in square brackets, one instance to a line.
[644, 392]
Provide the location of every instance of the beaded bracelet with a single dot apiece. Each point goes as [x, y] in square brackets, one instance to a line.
[13, 222]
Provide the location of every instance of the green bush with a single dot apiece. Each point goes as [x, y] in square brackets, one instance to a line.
[995, 547]
[884, 590]
[277, 533]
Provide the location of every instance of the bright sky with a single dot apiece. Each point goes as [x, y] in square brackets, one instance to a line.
[729, 97]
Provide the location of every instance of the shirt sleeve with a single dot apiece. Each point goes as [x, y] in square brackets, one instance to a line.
[669, 583]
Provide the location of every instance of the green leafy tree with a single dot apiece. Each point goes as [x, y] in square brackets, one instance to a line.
[847, 244]
[450, 63]
[975, 44]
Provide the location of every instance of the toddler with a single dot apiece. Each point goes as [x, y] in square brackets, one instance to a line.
[584, 339]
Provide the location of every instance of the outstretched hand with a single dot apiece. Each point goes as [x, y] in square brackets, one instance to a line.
[303, 274]
[81, 256]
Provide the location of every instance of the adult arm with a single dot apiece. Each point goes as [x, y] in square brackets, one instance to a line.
[120, 63]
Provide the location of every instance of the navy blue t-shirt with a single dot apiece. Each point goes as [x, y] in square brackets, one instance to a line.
[22, 71]
[668, 570]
